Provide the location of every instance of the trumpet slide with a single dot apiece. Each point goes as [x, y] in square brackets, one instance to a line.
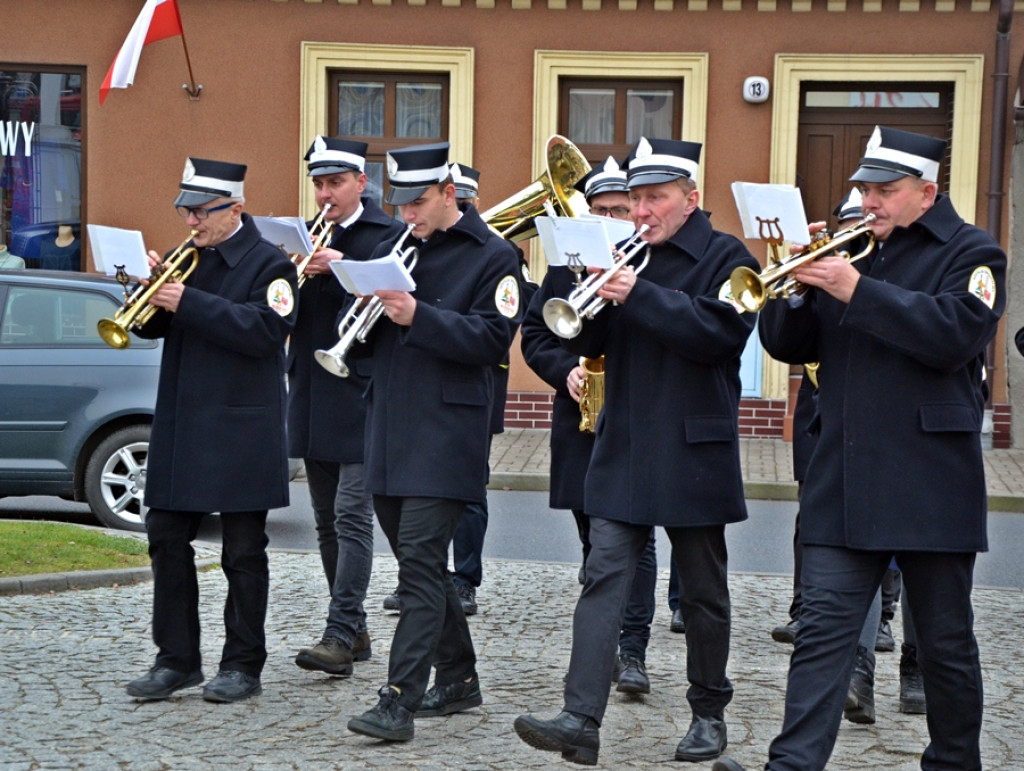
[320, 232]
[753, 290]
[357, 322]
[136, 310]
[565, 317]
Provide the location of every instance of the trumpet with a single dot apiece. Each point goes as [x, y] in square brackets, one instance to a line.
[322, 229]
[136, 310]
[357, 322]
[753, 290]
[565, 317]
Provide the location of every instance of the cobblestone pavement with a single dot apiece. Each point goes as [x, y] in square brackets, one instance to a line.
[65, 658]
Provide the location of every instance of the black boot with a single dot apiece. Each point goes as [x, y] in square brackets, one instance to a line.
[575, 736]
[389, 720]
[860, 699]
[911, 682]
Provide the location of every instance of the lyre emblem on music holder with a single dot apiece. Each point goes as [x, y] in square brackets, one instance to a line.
[770, 231]
[575, 264]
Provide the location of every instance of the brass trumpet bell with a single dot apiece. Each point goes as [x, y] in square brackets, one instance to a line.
[513, 218]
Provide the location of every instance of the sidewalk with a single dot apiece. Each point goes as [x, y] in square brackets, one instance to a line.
[521, 458]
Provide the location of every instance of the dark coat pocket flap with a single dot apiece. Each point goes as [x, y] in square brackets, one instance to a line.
[463, 392]
[710, 428]
[949, 417]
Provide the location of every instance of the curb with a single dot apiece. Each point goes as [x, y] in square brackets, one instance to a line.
[47, 583]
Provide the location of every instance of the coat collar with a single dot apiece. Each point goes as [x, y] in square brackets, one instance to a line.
[235, 248]
[695, 234]
[470, 225]
[941, 220]
[372, 213]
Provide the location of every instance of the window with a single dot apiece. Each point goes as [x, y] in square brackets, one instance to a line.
[37, 316]
[41, 165]
[388, 111]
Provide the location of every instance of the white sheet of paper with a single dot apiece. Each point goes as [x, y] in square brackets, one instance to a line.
[618, 230]
[289, 233]
[363, 277]
[576, 240]
[113, 247]
[760, 203]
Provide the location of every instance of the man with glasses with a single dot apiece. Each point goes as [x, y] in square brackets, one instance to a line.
[218, 438]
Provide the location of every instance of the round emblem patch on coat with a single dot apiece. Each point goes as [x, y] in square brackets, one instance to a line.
[725, 295]
[506, 297]
[983, 286]
[280, 297]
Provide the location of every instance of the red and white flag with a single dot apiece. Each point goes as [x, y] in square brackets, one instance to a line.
[159, 20]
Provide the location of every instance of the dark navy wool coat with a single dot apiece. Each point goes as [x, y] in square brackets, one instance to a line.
[545, 355]
[218, 439]
[326, 413]
[431, 388]
[898, 464]
[666, 450]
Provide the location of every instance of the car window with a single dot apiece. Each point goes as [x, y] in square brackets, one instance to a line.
[45, 316]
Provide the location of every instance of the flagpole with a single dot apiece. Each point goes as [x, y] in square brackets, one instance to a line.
[191, 87]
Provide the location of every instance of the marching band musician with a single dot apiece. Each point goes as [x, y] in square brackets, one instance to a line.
[217, 443]
[606, 193]
[427, 430]
[327, 414]
[666, 451]
[898, 468]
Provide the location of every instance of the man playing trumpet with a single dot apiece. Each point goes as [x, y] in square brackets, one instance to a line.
[327, 414]
[666, 452]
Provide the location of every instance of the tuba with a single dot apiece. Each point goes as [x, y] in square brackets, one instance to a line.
[552, 193]
[322, 230]
[360, 318]
[136, 310]
[753, 290]
[591, 393]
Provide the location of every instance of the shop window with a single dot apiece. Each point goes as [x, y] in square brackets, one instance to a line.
[41, 173]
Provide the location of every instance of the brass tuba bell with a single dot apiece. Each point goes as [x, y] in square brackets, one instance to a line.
[551, 193]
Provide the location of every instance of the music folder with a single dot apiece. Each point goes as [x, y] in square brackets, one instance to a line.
[116, 247]
[289, 233]
[364, 277]
[577, 241]
[771, 212]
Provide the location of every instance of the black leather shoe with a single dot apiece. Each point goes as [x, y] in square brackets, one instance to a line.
[361, 647]
[884, 641]
[467, 596]
[230, 685]
[452, 697]
[678, 625]
[912, 701]
[726, 764]
[161, 682]
[786, 633]
[389, 720]
[330, 655]
[575, 736]
[705, 740]
[860, 698]
[632, 676]
[391, 602]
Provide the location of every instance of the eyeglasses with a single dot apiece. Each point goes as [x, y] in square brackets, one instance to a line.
[618, 212]
[199, 212]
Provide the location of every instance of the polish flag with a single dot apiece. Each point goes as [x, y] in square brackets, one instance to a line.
[159, 20]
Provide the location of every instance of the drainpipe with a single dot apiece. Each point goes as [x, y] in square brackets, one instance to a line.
[996, 194]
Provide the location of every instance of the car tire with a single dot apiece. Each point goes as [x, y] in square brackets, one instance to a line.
[115, 479]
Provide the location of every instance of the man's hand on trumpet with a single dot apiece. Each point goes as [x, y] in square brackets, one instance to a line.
[618, 287]
[168, 296]
[319, 263]
[833, 273]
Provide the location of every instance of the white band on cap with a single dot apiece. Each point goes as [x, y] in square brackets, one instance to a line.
[420, 176]
[929, 169]
[613, 179]
[229, 189]
[340, 156]
[685, 165]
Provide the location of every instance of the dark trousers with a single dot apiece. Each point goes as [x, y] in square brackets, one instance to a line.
[343, 511]
[615, 550]
[838, 586]
[176, 589]
[432, 628]
[639, 613]
[468, 545]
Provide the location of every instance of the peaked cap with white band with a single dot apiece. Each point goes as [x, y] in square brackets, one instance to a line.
[330, 155]
[467, 181]
[892, 153]
[850, 207]
[203, 181]
[412, 170]
[653, 161]
[609, 178]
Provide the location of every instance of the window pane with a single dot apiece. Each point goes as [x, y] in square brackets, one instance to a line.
[41, 165]
[418, 111]
[36, 316]
[648, 113]
[592, 115]
[375, 181]
[361, 109]
[873, 99]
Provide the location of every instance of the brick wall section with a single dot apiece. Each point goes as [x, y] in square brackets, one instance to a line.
[1000, 426]
[759, 418]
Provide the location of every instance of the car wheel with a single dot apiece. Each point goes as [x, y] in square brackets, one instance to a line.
[115, 479]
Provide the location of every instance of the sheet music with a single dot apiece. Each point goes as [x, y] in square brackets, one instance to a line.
[113, 247]
[771, 212]
[364, 277]
[585, 241]
[289, 233]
